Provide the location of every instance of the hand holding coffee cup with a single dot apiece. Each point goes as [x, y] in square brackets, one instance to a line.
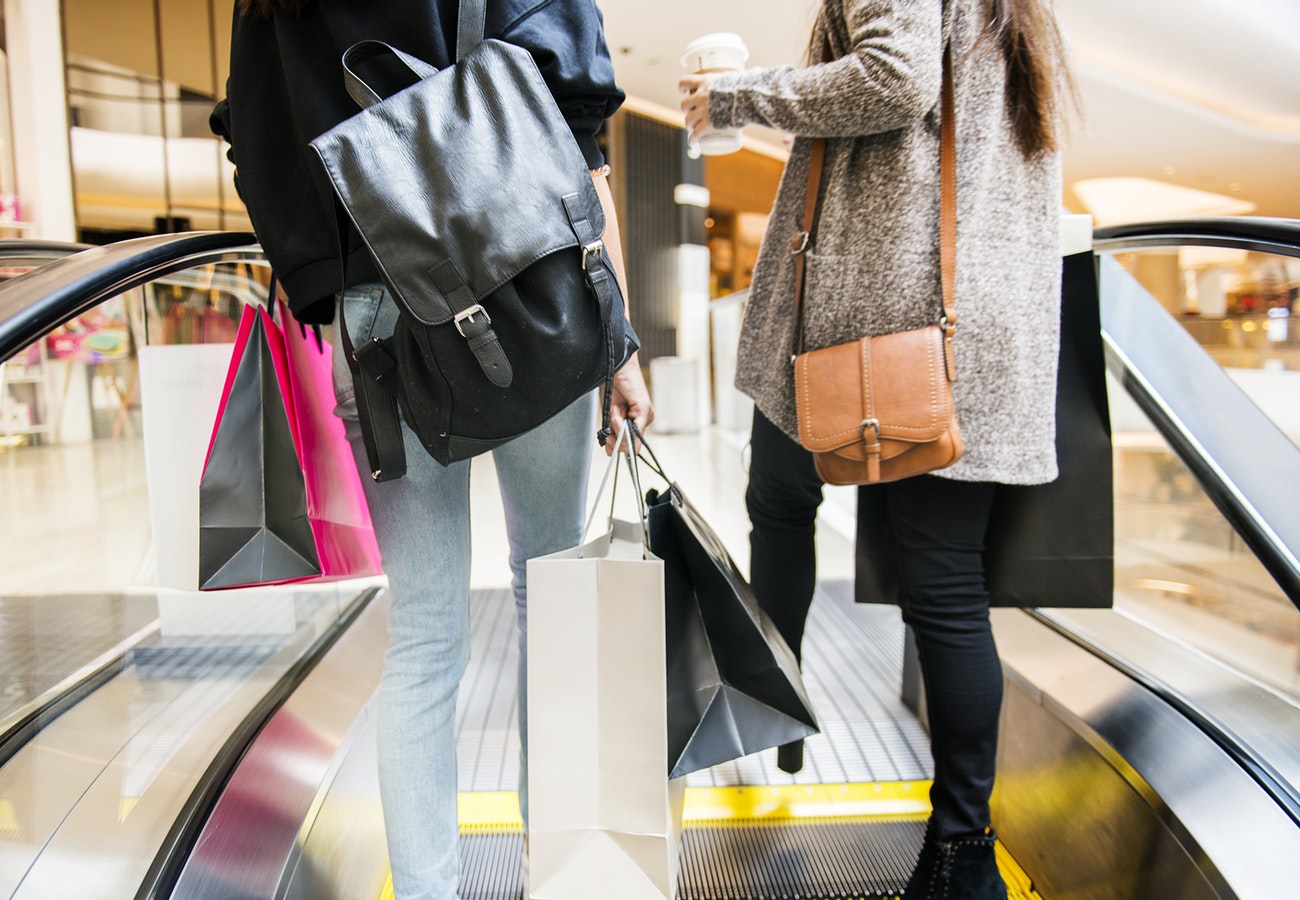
[695, 106]
[706, 57]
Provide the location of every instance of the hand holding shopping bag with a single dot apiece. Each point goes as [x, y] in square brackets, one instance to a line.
[605, 819]
[280, 499]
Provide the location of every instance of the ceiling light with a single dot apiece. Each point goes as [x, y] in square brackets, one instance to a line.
[1113, 201]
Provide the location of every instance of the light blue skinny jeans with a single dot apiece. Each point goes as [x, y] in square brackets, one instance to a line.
[422, 523]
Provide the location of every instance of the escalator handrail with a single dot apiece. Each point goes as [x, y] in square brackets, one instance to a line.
[1266, 235]
[34, 303]
[1249, 468]
[11, 247]
[1217, 431]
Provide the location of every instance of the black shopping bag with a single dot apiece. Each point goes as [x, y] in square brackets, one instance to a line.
[734, 686]
[1053, 545]
[1048, 545]
[253, 520]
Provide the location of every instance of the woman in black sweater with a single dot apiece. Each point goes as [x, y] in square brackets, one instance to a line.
[286, 87]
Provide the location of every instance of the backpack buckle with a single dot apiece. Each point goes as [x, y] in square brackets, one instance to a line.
[467, 315]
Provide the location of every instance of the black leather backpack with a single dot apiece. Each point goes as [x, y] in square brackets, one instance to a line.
[479, 211]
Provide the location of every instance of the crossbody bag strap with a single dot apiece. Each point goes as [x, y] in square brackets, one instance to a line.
[801, 242]
[948, 197]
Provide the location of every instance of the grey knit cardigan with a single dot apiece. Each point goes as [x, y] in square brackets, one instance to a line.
[874, 263]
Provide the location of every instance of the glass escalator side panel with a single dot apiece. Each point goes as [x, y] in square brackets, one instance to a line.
[1182, 567]
[1243, 307]
[94, 626]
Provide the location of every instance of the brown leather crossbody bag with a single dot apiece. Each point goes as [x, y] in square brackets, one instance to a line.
[880, 408]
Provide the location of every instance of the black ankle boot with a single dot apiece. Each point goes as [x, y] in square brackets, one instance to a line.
[961, 869]
[789, 757]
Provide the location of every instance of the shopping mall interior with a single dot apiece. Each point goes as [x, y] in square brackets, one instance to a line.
[161, 741]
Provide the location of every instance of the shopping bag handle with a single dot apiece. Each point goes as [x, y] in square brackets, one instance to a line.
[625, 432]
[275, 305]
[652, 463]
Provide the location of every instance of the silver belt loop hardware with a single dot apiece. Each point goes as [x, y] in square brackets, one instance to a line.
[596, 248]
[468, 314]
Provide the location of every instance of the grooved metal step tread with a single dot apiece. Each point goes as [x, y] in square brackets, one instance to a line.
[819, 842]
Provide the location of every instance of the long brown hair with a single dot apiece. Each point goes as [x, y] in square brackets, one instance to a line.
[1038, 79]
[262, 9]
[1039, 86]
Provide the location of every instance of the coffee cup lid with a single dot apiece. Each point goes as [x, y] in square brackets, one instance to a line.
[719, 40]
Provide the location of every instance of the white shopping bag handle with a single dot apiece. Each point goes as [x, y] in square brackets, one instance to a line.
[624, 432]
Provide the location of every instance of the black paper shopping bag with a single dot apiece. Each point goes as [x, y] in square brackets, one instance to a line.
[734, 686]
[253, 522]
[1048, 545]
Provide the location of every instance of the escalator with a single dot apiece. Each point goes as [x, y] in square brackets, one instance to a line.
[1147, 751]
[126, 704]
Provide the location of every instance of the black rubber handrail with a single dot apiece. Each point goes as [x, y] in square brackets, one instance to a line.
[34, 303]
[1246, 465]
[1267, 235]
[11, 247]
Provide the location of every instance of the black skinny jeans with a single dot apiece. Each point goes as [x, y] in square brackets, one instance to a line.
[938, 527]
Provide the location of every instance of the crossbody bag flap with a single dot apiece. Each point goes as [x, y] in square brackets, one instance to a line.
[470, 169]
[894, 380]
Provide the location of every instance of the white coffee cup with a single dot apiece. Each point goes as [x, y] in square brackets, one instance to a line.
[720, 52]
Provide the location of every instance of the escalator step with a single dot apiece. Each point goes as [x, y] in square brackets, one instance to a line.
[821, 860]
[794, 842]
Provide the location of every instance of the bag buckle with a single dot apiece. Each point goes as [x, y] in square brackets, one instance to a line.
[467, 315]
[595, 248]
[872, 447]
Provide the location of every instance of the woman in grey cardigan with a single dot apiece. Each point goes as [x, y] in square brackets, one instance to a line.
[873, 268]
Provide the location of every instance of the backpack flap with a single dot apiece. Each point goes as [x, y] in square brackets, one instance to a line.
[460, 181]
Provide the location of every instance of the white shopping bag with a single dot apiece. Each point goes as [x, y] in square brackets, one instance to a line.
[180, 389]
[604, 819]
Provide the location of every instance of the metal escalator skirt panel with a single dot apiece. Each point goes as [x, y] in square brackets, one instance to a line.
[255, 822]
[42, 686]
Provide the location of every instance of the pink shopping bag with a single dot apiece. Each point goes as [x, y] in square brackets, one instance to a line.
[336, 503]
[280, 499]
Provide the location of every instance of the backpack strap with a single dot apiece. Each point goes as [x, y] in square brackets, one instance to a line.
[600, 277]
[372, 366]
[474, 324]
[371, 363]
[470, 22]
